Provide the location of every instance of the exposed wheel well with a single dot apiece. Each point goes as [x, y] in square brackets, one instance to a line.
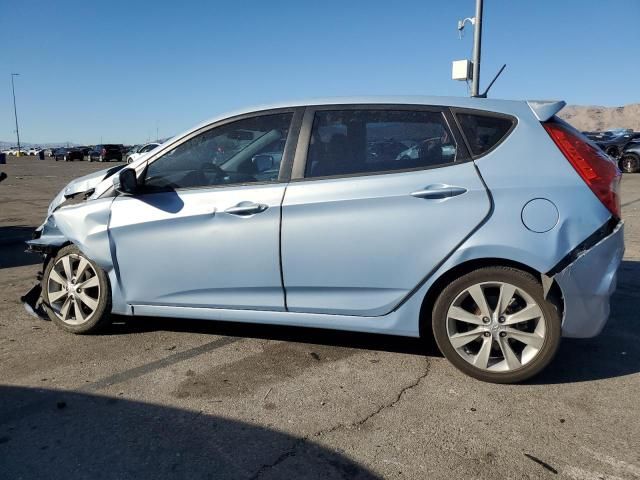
[613, 151]
[555, 294]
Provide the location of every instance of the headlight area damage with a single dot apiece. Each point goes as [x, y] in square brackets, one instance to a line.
[83, 224]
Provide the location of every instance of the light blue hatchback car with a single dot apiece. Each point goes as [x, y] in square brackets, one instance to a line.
[498, 233]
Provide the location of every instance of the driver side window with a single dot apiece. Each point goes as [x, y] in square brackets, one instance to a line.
[244, 151]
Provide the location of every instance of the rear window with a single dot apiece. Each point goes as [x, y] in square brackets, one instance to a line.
[484, 132]
[352, 142]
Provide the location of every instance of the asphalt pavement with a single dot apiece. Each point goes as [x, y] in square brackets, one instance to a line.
[169, 398]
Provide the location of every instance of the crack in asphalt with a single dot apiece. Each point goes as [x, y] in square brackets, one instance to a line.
[303, 440]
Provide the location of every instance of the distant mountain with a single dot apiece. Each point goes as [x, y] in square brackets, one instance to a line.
[594, 118]
[6, 145]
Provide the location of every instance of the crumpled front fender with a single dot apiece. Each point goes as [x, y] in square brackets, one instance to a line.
[86, 225]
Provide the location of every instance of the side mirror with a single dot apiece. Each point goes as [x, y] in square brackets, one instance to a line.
[127, 182]
[263, 162]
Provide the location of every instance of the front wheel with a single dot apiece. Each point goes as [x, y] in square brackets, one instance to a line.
[76, 292]
[495, 325]
[630, 163]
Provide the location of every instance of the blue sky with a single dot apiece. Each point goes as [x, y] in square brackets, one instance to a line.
[117, 70]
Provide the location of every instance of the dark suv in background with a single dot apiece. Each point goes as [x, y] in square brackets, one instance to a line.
[68, 154]
[106, 153]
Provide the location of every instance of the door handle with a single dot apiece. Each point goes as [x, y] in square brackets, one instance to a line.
[246, 208]
[438, 191]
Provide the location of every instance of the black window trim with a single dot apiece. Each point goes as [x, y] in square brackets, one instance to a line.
[482, 113]
[304, 137]
[285, 164]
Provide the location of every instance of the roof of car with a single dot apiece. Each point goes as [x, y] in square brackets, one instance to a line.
[462, 102]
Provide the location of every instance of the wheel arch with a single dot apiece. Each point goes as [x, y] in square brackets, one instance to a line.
[426, 309]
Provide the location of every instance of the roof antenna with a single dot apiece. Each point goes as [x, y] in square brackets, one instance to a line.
[484, 95]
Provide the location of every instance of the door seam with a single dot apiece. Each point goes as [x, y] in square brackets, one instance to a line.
[284, 290]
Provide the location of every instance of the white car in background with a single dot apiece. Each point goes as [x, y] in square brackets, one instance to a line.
[132, 157]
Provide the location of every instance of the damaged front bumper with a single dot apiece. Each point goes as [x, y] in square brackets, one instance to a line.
[33, 302]
[587, 284]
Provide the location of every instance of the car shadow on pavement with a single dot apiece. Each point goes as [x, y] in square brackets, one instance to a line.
[313, 336]
[12, 247]
[57, 434]
[616, 351]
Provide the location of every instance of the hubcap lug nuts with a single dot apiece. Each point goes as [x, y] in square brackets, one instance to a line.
[503, 334]
[501, 319]
[487, 334]
[485, 319]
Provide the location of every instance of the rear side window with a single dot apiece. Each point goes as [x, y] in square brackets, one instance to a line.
[484, 132]
[348, 142]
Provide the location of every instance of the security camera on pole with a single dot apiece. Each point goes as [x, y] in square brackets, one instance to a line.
[466, 70]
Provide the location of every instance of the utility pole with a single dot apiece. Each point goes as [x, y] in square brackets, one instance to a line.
[15, 111]
[477, 42]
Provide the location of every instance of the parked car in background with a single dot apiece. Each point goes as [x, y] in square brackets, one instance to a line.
[131, 157]
[48, 152]
[14, 151]
[59, 153]
[630, 159]
[68, 154]
[34, 151]
[478, 249]
[105, 153]
[85, 151]
[612, 141]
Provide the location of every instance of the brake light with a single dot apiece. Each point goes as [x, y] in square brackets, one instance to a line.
[598, 171]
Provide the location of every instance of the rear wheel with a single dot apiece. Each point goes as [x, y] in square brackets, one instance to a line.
[630, 163]
[76, 292]
[495, 325]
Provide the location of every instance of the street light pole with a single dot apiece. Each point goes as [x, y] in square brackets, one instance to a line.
[477, 40]
[15, 111]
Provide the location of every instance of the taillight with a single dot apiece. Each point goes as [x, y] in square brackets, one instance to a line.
[598, 171]
[104, 152]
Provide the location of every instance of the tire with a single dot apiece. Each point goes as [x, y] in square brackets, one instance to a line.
[630, 163]
[83, 310]
[612, 152]
[495, 354]
[89, 159]
[65, 158]
[100, 158]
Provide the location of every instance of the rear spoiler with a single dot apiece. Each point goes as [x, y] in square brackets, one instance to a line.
[545, 109]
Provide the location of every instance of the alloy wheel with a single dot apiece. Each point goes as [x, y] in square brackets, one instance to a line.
[73, 289]
[496, 326]
[630, 164]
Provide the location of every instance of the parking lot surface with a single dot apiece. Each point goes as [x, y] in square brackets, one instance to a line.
[169, 398]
